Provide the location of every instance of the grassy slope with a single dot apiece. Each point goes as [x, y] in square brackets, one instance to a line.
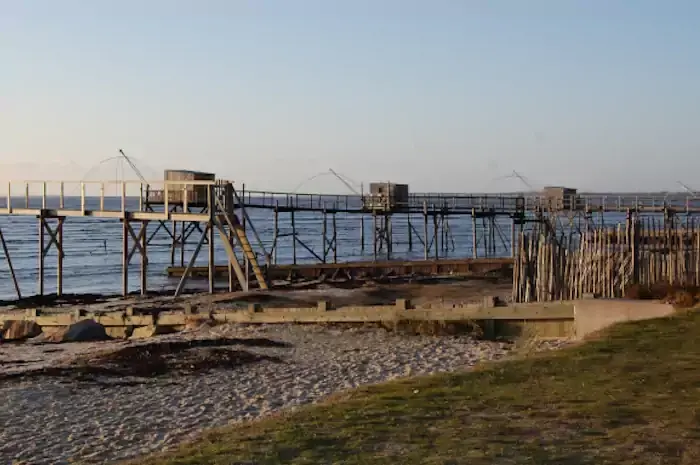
[630, 398]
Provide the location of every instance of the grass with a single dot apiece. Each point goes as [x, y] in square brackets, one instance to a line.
[630, 397]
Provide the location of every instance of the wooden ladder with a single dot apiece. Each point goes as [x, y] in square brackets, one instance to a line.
[250, 254]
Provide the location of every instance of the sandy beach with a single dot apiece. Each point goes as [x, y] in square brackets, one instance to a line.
[54, 411]
[100, 402]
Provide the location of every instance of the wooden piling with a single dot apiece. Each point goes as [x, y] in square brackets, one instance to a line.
[11, 268]
[59, 256]
[335, 239]
[426, 244]
[42, 255]
[324, 235]
[125, 257]
[294, 238]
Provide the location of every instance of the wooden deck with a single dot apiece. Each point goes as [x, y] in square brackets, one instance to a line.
[351, 270]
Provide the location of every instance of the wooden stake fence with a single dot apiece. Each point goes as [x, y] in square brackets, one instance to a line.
[606, 260]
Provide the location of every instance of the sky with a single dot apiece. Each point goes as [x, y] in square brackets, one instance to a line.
[445, 95]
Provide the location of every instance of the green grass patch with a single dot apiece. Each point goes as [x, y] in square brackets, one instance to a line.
[630, 397]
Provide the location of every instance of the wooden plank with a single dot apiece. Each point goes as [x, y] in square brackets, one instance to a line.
[105, 214]
[526, 312]
[26, 211]
[149, 216]
[195, 217]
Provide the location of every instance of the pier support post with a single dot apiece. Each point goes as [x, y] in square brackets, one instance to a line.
[9, 265]
[335, 240]
[42, 255]
[139, 244]
[210, 228]
[475, 242]
[55, 240]
[275, 234]
[426, 244]
[362, 234]
[59, 257]
[144, 258]
[512, 237]
[374, 235]
[125, 257]
[324, 236]
[294, 237]
[435, 235]
[174, 244]
[388, 235]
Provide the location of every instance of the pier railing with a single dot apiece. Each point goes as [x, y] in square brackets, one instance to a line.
[105, 198]
[76, 197]
[465, 203]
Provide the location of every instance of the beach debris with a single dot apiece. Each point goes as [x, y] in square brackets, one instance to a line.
[157, 358]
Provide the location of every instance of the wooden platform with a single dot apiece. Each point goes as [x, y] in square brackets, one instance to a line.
[351, 270]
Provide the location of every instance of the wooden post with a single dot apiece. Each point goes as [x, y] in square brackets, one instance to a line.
[231, 241]
[41, 254]
[492, 234]
[324, 228]
[242, 202]
[275, 232]
[485, 236]
[362, 233]
[294, 238]
[374, 234]
[9, 265]
[144, 258]
[435, 235]
[512, 237]
[426, 245]
[125, 256]
[174, 244]
[335, 240]
[212, 218]
[474, 241]
[59, 259]
[389, 238]
[183, 234]
[410, 233]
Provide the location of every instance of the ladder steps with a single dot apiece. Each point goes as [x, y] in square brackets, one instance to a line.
[252, 259]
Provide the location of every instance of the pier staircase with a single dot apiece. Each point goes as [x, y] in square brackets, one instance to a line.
[230, 227]
[250, 255]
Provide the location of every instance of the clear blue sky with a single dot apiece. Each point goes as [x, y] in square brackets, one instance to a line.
[444, 95]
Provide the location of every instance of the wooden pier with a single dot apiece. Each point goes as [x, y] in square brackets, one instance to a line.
[195, 208]
[210, 212]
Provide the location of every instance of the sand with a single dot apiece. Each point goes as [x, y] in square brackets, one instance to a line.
[59, 418]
